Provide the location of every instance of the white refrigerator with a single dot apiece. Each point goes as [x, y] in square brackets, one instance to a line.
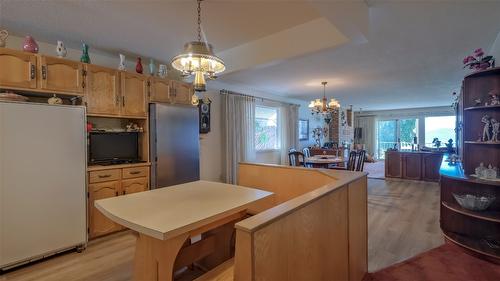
[42, 181]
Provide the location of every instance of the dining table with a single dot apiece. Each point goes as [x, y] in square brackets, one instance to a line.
[166, 218]
[323, 161]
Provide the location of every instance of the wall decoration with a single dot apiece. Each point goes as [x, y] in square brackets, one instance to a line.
[349, 116]
[30, 45]
[343, 120]
[317, 134]
[152, 67]
[138, 66]
[204, 115]
[85, 58]
[303, 130]
[121, 66]
[478, 61]
[61, 49]
[3, 37]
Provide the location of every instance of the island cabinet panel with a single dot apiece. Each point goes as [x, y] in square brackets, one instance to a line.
[60, 75]
[430, 166]
[393, 164]
[134, 94]
[102, 93]
[412, 166]
[159, 90]
[99, 224]
[17, 69]
[181, 92]
[134, 185]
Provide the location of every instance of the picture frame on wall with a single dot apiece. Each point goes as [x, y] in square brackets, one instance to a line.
[303, 130]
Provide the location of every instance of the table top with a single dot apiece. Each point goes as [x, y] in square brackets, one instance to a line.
[324, 159]
[167, 212]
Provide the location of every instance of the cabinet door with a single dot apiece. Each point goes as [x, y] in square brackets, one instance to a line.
[412, 166]
[430, 167]
[133, 94]
[60, 75]
[393, 164]
[102, 90]
[17, 69]
[99, 224]
[160, 90]
[134, 185]
[181, 92]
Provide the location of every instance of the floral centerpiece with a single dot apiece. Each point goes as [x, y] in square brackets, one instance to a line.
[478, 61]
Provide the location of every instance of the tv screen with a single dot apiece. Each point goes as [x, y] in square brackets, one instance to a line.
[113, 147]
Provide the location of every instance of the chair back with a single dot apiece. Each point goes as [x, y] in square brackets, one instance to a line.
[292, 149]
[294, 158]
[356, 160]
[361, 160]
[307, 152]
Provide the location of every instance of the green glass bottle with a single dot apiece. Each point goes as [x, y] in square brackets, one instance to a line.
[85, 54]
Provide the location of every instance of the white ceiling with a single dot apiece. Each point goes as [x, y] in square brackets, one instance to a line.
[375, 54]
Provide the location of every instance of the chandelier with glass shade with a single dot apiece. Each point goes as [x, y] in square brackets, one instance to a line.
[323, 106]
[199, 59]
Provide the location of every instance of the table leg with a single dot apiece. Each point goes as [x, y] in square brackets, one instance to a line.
[154, 259]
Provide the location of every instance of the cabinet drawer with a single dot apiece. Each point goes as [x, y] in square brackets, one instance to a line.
[135, 172]
[105, 175]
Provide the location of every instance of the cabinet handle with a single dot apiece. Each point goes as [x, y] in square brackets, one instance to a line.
[135, 172]
[104, 176]
[32, 71]
[44, 72]
[123, 101]
[116, 193]
[117, 100]
[124, 192]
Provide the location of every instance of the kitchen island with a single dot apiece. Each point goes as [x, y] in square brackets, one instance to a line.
[413, 165]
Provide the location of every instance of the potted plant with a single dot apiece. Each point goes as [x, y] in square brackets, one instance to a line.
[478, 61]
[449, 146]
[436, 142]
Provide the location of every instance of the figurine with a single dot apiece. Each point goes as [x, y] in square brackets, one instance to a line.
[121, 66]
[54, 100]
[495, 125]
[494, 99]
[3, 37]
[138, 66]
[30, 45]
[479, 170]
[477, 102]
[486, 129]
[85, 58]
[490, 173]
[61, 49]
[152, 67]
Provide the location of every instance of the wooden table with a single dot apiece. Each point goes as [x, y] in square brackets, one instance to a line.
[322, 161]
[165, 218]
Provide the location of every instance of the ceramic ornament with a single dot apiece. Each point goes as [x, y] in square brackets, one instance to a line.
[61, 49]
[3, 37]
[121, 66]
[85, 58]
[152, 67]
[138, 66]
[30, 45]
[162, 71]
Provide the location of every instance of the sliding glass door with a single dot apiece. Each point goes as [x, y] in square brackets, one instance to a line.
[390, 131]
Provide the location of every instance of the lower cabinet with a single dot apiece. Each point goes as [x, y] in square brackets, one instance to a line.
[412, 166]
[111, 183]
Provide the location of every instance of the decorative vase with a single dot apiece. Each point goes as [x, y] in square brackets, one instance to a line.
[61, 49]
[121, 66]
[3, 37]
[152, 67]
[85, 58]
[30, 45]
[162, 71]
[138, 66]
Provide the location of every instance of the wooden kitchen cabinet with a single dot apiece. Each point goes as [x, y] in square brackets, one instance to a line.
[102, 91]
[431, 164]
[393, 167]
[134, 91]
[60, 75]
[134, 185]
[412, 166]
[17, 69]
[159, 90]
[98, 223]
[181, 92]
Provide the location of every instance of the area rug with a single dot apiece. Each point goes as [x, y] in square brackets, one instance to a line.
[375, 170]
[447, 262]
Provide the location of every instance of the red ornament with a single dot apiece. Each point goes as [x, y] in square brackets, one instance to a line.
[138, 66]
[90, 126]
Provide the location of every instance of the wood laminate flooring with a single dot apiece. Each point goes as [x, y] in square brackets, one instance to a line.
[403, 220]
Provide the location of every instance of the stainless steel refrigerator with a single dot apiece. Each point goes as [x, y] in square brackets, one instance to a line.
[175, 145]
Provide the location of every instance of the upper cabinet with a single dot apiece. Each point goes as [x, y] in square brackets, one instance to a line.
[102, 92]
[181, 92]
[159, 90]
[60, 75]
[134, 89]
[17, 69]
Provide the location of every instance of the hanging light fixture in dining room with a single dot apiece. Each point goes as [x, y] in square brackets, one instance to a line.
[323, 107]
[199, 59]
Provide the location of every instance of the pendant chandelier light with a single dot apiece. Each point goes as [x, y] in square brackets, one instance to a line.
[323, 107]
[199, 59]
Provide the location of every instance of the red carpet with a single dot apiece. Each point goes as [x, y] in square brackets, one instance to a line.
[447, 262]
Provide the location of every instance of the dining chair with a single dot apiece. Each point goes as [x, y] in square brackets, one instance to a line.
[307, 152]
[294, 158]
[355, 162]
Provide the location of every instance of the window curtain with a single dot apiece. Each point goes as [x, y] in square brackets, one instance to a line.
[238, 115]
[368, 133]
[289, 122]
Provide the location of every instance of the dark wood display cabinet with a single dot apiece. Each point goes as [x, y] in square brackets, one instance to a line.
[476, 231]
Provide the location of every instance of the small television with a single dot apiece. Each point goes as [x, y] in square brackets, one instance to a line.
[113, 147]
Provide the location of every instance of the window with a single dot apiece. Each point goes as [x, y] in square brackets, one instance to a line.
[441, 127]
[390, 131]
[266, 128]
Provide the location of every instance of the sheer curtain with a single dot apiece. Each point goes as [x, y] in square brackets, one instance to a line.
[368, 132]
[238, 115]
[289, 130]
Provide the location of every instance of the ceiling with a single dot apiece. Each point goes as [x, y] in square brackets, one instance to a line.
[374, 54]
